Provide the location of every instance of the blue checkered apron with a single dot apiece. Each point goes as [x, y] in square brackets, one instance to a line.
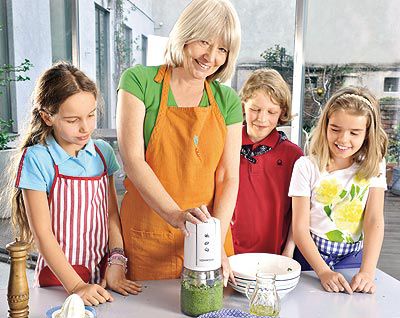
[334, 252]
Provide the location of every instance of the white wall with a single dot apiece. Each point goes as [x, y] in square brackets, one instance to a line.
[156, 49]
[87, 37]
[141, 23]
[31, 39]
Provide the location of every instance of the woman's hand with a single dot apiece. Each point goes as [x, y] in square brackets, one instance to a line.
[363, 282]
[334, 282]
[115, 279]
[194, 215]
[226, 269]
[92, 294]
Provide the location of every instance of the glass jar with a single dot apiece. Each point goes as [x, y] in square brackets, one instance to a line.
[201, 291]
[264, 300]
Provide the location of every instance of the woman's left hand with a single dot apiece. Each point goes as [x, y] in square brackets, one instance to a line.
[115, 279]
[363, 282]
[226, 269]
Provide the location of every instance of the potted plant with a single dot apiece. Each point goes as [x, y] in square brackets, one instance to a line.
[8, 73]
[7, 155]
[393, 158]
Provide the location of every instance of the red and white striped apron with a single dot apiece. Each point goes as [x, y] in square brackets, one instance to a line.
[79, 219]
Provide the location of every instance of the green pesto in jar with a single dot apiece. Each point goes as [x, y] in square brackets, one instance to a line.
[198, 300]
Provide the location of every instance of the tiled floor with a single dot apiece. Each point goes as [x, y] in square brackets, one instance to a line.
[389, 260]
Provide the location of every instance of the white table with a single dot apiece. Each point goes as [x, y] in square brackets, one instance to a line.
[160, 299]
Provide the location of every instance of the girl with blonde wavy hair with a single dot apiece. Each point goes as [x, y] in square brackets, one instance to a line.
[338, 193]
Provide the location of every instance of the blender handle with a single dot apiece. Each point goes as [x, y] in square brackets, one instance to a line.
[247, 290]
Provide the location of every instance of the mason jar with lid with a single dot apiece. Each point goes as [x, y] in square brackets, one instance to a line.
[201, 291]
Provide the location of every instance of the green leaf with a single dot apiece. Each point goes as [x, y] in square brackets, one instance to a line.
[352, 191]
[335, 236]
[363, 193]
[343, 194]
[357, 189]
[361, 237]
[328, 211]
[349, 239]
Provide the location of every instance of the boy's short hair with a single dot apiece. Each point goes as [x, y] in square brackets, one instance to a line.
[272, 83]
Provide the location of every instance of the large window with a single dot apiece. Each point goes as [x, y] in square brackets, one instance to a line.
[5, 109]
[357, 43]
[102, 63]
[61, 30]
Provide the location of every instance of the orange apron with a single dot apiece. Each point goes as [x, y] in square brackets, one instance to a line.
[183, 151]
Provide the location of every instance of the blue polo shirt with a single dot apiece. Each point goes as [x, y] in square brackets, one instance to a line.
[37, 171]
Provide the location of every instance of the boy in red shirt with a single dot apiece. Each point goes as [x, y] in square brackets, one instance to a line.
[261, 222]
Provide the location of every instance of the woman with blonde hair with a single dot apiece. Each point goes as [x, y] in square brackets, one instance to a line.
[338, 193]
[179, 136]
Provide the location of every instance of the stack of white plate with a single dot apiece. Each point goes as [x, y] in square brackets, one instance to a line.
[245, 266]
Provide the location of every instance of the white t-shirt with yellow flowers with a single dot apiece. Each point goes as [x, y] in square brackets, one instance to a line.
[337, 198]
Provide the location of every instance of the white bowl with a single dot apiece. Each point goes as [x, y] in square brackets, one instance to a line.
[245, 266]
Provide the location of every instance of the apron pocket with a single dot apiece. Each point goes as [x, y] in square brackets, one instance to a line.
[47, 278]
[154, 256]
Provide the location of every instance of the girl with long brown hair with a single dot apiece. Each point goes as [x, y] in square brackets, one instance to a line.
[65, 198]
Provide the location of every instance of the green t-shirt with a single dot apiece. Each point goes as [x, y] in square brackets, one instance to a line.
[139, 81]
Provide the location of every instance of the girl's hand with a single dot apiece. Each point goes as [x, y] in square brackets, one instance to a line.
[226, 269]
[334, 282]
[194, 215]
[363, 282]
[92, 294]
[115, 279]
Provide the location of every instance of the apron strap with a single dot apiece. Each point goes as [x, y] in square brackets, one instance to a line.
[164, 75]
[160, 74]
[211, 99]
[101, 157]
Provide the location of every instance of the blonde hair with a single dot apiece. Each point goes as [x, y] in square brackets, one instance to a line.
[206, 20]
[272, 83]
[52, 88]
[360, 102]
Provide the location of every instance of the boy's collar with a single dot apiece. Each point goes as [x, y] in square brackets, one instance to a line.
[271, 140]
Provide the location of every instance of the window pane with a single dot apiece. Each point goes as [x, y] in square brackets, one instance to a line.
[102, 73]
[5, 109]
[391, 84]
[61, 35]
[126, 52]
[346, 43]
[144, 50]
